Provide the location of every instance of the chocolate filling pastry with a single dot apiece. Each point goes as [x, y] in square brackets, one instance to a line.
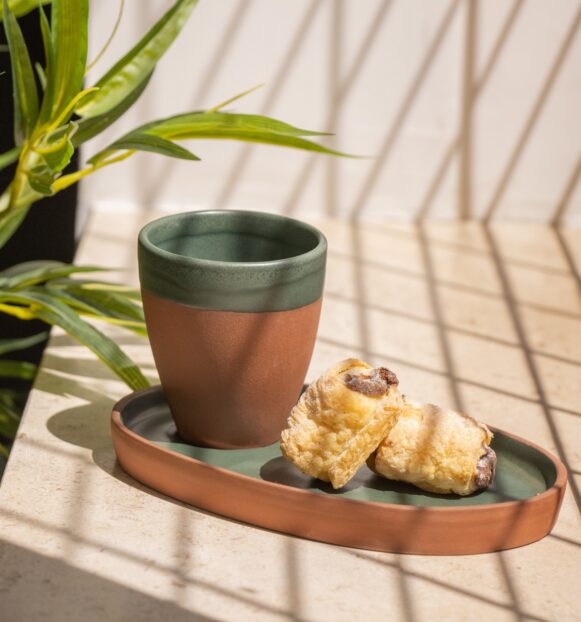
[340, 419]
[485, 468]
[375, 384]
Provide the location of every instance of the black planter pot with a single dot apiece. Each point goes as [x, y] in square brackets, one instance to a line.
[48, 232]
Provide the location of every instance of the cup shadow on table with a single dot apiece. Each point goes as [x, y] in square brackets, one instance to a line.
[89, 427]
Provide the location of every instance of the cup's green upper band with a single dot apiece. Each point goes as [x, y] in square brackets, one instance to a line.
[230, 260]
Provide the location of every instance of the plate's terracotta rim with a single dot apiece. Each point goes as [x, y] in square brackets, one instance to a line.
[555, 489]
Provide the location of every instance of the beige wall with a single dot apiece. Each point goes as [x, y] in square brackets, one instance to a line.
[471, 107]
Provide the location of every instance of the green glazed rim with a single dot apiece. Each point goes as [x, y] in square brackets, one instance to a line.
[279, 284]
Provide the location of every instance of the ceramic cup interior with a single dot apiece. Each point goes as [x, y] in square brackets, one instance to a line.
[234, 237]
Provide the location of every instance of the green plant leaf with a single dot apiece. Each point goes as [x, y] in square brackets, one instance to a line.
[10, 221]
[53, 311]
[23, 370]
[57, 154]
[231, 100]
[118, 303]
[8, 157]
[41, 75]
[138, 63]
[112, 307]
[91, 311]
[50, 157]
[69, 42]
[224, 125]
[91, 126]
[140, 141]
[23, 82]
[40, 178]
[12, 345]
[49, 56]
[9, 420]
[56, 148]
[21, 7]
[192, 123]
[12, 398]
[102, 286]
[11, 406]
[30, 273]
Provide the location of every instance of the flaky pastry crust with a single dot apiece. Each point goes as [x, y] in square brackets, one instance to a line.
[340, 419]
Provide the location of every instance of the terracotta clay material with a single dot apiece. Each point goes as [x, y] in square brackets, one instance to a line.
[416, 523]
[231, 378]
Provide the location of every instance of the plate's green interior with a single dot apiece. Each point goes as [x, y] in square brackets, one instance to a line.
[522, 471]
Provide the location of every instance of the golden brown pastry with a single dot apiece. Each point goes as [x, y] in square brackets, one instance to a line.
[437, 450]
[340, 419]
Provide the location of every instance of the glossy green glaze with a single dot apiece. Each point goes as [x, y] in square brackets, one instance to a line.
[231, 260]
[522, 471]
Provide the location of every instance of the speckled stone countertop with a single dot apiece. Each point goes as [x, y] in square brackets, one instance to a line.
[488, 320]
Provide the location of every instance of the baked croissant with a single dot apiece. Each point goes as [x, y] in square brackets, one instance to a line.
[437, 450]
[340, 419]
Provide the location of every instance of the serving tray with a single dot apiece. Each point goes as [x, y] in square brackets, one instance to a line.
[258, 486]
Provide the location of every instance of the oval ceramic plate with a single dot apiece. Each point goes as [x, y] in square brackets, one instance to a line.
[260, 487]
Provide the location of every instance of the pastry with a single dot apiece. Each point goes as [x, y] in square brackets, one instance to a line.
[340, 419]
[437, 450]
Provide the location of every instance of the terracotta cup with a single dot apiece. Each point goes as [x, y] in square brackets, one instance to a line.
[232, 301]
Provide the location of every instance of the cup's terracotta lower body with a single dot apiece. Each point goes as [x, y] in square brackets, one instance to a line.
[230, 378]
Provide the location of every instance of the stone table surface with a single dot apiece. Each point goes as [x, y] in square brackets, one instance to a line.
[484, 319]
